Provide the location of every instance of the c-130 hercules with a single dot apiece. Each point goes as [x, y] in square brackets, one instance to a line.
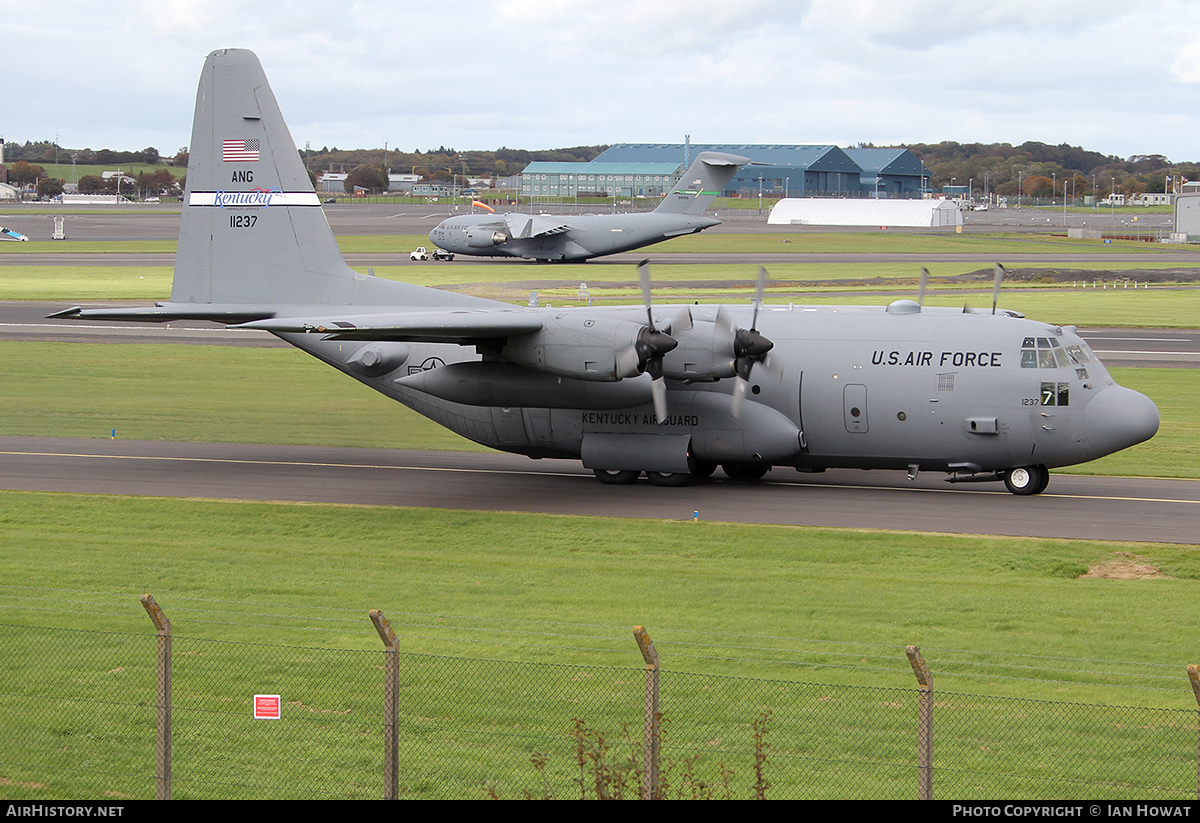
[668, 391]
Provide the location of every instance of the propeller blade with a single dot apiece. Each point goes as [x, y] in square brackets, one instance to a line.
[682, 321]
[759, 289]
[924, 283]
[740, 388]
[644, 277]
[998, 279]
[653, 345]
[658, 391]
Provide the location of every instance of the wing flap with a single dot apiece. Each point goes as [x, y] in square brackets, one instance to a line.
[412, 327]
[167, 312]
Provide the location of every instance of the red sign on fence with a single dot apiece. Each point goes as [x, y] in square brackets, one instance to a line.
[266, 707]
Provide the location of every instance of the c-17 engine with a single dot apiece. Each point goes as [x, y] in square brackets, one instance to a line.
[482, 238]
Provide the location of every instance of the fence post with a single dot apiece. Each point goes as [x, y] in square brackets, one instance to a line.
[1194, 675]
[391, 708]
[163, 732]
[651, 721]
[924, 722]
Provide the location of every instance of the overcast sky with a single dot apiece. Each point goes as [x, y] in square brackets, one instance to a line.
[1116, 76]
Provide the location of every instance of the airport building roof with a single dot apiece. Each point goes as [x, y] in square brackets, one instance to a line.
[594, 167]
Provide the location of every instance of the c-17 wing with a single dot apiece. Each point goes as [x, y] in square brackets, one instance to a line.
[540, 225]
[421, 327]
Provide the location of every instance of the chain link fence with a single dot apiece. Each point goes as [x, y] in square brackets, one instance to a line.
[80, 713]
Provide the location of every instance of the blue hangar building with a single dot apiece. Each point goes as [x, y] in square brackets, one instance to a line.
[796, 170]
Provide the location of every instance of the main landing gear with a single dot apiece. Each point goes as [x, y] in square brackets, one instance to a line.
[1027, 479]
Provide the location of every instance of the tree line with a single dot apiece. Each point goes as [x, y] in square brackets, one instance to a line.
[1044, 170]
[1032, 169]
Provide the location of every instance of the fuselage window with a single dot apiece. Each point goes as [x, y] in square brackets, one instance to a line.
[1056, 394]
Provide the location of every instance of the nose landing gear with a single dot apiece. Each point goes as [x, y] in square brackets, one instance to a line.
[1026, 480]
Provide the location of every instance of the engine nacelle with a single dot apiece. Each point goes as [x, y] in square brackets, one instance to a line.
[579, 346]
[483, 238]
[705, 353]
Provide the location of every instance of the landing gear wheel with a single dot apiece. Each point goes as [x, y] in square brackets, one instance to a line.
[669, 478]
[616, 477]
[1027, 480]
[704, 469]
[744, 471]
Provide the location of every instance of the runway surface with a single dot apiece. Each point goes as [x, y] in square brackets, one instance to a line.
[1093, 508]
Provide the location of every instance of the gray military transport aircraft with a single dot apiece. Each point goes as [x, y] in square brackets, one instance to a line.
[669, 391]
[547, 238]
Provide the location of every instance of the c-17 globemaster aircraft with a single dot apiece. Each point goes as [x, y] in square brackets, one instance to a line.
[547, 238]
[671, 391]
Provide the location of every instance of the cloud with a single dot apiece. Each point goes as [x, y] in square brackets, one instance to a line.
[544, 73]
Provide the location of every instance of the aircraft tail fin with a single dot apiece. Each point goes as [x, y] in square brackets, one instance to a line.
[252, 230]
[702, 183]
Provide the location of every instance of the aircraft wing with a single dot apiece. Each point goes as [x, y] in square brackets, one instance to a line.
[167, 312]
[526, 225]
[423, 326]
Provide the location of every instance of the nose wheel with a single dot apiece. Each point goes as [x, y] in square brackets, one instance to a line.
[1027, 479]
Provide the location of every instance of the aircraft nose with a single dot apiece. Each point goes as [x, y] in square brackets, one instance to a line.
[1118, 418]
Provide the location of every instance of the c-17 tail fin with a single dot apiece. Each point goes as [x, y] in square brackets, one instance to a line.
[709, 173]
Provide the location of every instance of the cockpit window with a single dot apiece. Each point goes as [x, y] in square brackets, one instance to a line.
[1048, 353]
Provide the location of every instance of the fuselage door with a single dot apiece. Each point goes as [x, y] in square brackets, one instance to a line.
[854, 398]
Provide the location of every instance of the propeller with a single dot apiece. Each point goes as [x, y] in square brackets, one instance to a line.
[749, 347]
[924, 283]
[997, 280]
[652, 345]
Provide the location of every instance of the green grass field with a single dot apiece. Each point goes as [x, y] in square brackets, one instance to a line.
[521, 622]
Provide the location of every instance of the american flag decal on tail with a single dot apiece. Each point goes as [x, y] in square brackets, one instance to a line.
[239, 151]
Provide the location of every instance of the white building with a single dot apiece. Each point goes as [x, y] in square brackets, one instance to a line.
[814, 211]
